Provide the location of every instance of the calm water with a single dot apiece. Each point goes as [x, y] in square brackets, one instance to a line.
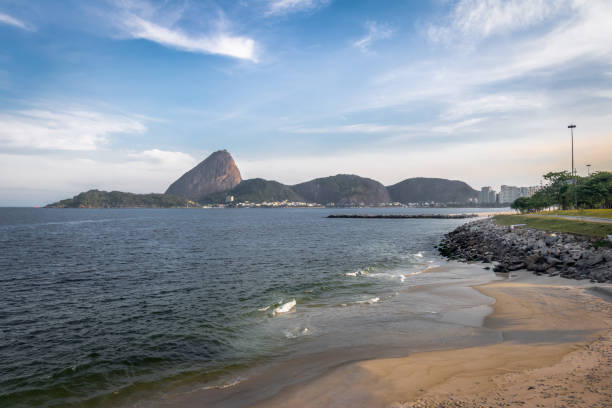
[97, 306]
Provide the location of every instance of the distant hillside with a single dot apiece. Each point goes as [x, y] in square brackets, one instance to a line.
[343, 190]
[421, 189]
[218, 172]
[257, 191]
[118, 199]
[217, 176]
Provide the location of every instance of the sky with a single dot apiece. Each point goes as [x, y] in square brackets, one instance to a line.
[129, 94]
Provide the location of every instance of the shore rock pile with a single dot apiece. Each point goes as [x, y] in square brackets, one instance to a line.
[516, 247]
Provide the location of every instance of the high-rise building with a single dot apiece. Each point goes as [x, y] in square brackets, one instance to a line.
[483, 197]
[529, 191]
[492, 197]
[508, 194]
[486, 193]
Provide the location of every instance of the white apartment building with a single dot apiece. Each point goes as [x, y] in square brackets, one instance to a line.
[508, 194]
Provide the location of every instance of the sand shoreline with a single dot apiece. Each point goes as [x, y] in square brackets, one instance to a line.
[556, 351]
[549, 343]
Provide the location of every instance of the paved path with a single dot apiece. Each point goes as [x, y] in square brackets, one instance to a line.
[576, 217]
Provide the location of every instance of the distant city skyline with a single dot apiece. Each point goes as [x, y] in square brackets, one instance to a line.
[129, 94]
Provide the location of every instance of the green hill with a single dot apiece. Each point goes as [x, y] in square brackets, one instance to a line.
[343, 190]
[118, 199]
[257, 191]
[422, 189]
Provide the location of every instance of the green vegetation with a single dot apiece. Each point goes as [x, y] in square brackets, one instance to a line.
[421, 190]
[593, 229]
[343, 190]
[599, 213]
[256, 191]
[592, 192]
[118, 199]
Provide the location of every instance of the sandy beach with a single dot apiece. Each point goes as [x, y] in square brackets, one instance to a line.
[556, 351]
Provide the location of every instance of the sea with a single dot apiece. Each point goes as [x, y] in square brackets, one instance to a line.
[130, 307]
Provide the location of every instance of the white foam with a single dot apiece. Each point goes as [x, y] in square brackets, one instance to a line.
[223, 386]
[263, 309]
[285, 307]
[361, 272]
[419, 254]
[370, 301]
[297, 332]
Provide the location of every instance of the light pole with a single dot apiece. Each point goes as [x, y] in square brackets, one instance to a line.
[571, 128]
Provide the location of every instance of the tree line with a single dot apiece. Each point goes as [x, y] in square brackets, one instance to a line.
[560, 191]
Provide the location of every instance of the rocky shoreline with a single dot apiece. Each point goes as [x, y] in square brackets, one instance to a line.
[517, 247]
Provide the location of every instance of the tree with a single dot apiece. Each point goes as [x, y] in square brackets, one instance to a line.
[595, 191]
[522, 204]
[558, 188]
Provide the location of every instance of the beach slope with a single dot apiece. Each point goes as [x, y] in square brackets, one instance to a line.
[556, 351]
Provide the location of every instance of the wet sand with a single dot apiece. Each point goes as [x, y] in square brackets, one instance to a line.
[556, 350]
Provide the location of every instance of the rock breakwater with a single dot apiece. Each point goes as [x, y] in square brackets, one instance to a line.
[517, 247]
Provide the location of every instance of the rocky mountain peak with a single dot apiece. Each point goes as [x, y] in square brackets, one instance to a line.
[218, 172]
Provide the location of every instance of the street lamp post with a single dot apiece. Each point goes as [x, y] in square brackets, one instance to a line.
[571, 128]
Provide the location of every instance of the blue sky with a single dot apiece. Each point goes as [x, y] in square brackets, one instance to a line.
[129, 94]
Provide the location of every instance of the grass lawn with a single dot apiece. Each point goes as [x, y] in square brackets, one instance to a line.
[607, 213]
[593, 229]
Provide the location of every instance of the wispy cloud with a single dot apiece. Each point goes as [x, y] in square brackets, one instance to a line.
[15, 22]
[549, 51]
[483, 18]
[68, 129]
[493, 103]
[282, 7]
[143, 20]
[354, 128]
[164, 158]
[456, 126]
[375, 32]
[218, 43]
[385, 129]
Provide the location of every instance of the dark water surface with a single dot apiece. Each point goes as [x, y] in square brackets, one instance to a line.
[97, 306]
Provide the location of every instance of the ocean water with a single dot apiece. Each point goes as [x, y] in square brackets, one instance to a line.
[109, 307]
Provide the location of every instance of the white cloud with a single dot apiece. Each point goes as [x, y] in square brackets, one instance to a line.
[495, 103]
[418, 129]
[161, 23]
[454, 127]
[51, 177]
[582, 40]
[62, 129]
[585, 36]
[281, 7]
[585, 33]
[12, 21]
[163, 158]
[354, 128]
[483, 18]
[375, 32]
[217, 43]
